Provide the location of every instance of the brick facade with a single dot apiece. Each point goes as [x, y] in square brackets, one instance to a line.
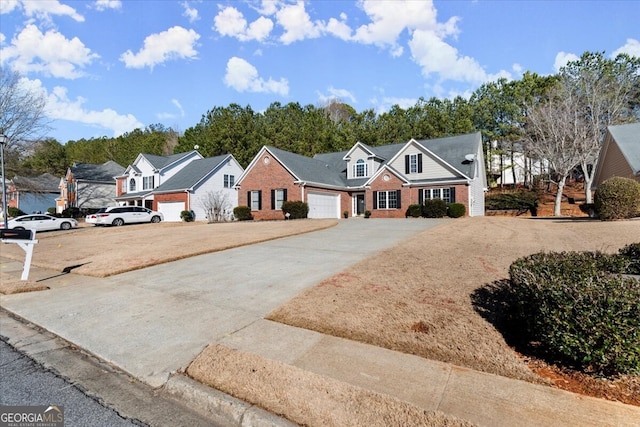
[171, 197]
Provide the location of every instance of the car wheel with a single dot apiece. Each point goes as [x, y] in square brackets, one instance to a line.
[65, 226]
[155, 219]
[118, 222]
[18, 228]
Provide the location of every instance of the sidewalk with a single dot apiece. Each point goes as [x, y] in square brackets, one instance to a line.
[136, 322]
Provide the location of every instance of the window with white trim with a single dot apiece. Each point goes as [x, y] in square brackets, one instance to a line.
[123, 186]
[413, 163]
[360, 169]
[437, 193]
[147, 182]
[132, 185]
[279, 198]
[255, 200]
[388, 199]
[229, 180]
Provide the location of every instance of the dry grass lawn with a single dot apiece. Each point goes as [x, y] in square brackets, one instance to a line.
[417, 297]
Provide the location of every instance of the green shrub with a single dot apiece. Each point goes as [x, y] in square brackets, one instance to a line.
[617, 198]
[578, 310]
[367, 214]
[13, 212]
[520, 200]
[632, 254]
[434, 208]
[414, 211]
[296, 209]
[456, 210]
[71, 212]
[187, 216]
[242, 213]
[51, 211]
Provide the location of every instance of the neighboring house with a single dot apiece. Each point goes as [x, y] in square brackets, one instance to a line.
[620, 154]
[503, 167]
[33, 194]
[384, 180]
[88, 186]
[171, 184]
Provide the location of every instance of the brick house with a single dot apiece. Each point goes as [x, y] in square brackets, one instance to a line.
[88, 186]
[384, 180]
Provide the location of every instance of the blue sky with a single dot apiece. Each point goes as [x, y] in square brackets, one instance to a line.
[110, 66]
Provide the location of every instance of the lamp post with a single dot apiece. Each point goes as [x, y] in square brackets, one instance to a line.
[3, 141]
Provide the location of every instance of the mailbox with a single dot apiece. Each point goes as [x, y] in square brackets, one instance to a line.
[16, 234]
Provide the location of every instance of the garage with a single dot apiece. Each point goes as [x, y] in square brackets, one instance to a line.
[323, 205]
[171, 210]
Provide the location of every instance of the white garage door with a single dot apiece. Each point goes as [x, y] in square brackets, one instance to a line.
[171, 210]
[323, 205]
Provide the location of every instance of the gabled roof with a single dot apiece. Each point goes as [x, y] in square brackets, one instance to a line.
[192, 174]
[627, 137]
[90, 172]
[453, 150]
[159, 162]
[308, 169]
[45, 182]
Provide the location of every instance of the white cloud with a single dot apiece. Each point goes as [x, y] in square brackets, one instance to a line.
[297, 23]
[44, 9]
[343, 95]
[190, 12]
[244, 77]
[339, 29]
[231, 22]
[108, 4]
[7, 6]
[175, 43]
[50, 53]
[60, 107]
[631, 48]
[563, 58]
[165, 116]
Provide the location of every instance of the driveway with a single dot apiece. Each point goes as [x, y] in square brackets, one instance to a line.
[155, 321]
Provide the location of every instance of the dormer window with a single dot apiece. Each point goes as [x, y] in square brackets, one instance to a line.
[360, 169]
[132, 185]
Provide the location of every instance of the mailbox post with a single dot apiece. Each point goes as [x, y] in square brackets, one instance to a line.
[26, 239]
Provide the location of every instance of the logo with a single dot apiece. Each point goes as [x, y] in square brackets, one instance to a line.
[31, 416]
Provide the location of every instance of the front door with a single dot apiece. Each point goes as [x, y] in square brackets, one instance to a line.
[359, 204]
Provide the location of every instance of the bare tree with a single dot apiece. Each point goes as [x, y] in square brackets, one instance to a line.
[556, 132]
[216, 205]
[22, 110]
[607, 93]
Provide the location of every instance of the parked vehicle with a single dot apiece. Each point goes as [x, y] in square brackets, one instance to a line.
[120, 215]
[41, 222]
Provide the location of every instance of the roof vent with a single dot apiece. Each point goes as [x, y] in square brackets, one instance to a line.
[470, 158]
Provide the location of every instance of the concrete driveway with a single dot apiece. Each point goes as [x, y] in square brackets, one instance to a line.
[155, 321]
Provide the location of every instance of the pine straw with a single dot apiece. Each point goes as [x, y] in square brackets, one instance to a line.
[417, 297]
[303, 397]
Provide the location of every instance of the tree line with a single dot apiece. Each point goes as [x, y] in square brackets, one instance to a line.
[601, 91]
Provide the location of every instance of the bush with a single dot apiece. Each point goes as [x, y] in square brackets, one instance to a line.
[295, 209]
[434, 208]
[71, 212]
[578, 310]
[242, 213]
[456, 210]
[632, 254]
[520, 200]
[414, 211]
[617, 198]
[13, 212]
[51, 211]
[187, 216]
[367, 214]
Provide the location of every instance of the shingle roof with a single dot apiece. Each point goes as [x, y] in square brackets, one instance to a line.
[90, 172]
[627, 137]
[45, 182]
[159, 162]
[191, 174]
[453, 150]
[310, 169]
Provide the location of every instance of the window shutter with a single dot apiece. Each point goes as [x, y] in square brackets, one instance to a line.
[259, 200]
[273, 199]
[284, 195]
[375, 200]
[249, 198]
[420, 196]
[399, 197]
[419, 162]
[452, 194]
[406, 164]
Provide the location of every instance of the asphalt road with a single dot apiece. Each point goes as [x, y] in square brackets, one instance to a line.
[25, 382]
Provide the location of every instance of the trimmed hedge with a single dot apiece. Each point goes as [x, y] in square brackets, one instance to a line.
[242, 213]
[414, 211]
[579, 309]
[187, 216]
[632, 254]
[434, 208]
[296, 209]
[617, 198]
[456, 210]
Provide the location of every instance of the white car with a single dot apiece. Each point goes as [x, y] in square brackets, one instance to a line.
[120, 215]
[41, 222]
